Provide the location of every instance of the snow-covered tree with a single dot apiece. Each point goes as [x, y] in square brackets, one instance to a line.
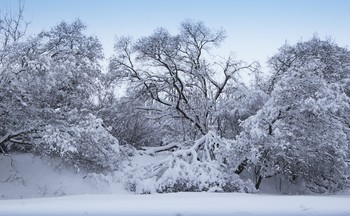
[181, 79]
[16, 117]
[73, 66]
[82, 142]
[302, 132]
[332, 58]
[48, 82]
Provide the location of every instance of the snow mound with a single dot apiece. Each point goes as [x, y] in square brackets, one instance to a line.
[31, 176]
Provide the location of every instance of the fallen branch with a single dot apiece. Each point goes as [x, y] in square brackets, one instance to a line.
[153, 150]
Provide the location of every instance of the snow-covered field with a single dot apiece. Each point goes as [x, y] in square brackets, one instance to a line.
[44, 189]
[179, 204]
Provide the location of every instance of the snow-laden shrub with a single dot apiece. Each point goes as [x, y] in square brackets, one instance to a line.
[202, 167]
[82, 144]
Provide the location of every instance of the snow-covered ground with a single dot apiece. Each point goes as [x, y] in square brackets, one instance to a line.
[40, 187]
[179, 204]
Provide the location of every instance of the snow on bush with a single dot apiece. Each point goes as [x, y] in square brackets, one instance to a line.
[202, 167]
[83, 144]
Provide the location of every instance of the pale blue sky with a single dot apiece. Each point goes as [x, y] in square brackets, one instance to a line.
[255, 28]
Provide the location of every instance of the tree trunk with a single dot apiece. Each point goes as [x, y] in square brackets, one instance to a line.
[258, 182]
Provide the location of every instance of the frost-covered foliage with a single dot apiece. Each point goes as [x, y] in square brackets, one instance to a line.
[332, 61]
[82, 143]
[201, 167]
[16, 116]
[73, 68]
[55, 69]
[130, 125]
[237, 106]
[302, 132]
[47, 83]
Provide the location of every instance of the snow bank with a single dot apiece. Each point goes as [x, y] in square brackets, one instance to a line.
[37, 177]
[179, 204]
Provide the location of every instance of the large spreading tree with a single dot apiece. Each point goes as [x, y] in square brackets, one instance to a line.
[177, 74]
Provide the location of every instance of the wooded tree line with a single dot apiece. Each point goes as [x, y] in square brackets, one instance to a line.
[292, 121]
